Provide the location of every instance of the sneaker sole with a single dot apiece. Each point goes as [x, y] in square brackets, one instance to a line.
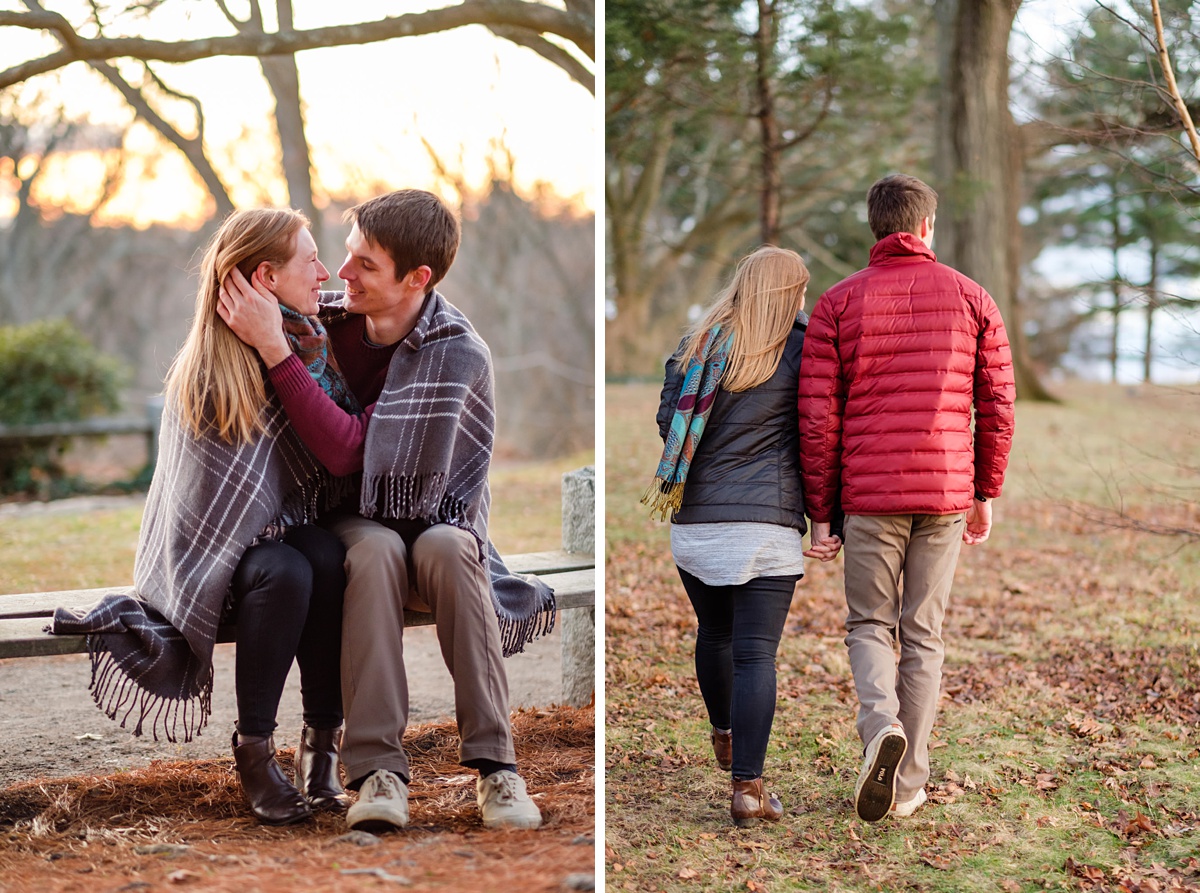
[519, 824]
[374, 822]
[875, 798]
[375, 826]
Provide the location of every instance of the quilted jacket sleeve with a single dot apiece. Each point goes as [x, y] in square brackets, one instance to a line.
[669, 398]
[993, 398]
[821, 401]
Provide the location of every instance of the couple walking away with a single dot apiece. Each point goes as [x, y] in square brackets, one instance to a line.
[861, 418]
[323, 467]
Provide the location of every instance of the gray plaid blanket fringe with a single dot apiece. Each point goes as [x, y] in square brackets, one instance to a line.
[429, 447]
[151, 649]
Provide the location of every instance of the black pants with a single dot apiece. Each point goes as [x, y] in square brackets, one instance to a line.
[288, 605]
[738, 636]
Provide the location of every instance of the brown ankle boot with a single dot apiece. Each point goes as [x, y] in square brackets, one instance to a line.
[722, 743]
[272, 798]
[750, 804]
[317, 769]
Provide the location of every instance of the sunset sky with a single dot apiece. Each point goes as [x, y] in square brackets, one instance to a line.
[367, 110]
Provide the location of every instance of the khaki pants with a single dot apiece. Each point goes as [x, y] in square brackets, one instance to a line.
[899, 570]
[442, 573]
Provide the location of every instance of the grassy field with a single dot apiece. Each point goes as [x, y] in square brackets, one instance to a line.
[1066, 750]
[42, 551]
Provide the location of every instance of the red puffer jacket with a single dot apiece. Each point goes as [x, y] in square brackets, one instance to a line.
[896, 357]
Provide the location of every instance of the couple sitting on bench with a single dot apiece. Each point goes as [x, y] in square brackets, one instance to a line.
[323, 466]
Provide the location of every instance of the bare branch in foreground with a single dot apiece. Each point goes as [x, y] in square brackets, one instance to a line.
[521, 14]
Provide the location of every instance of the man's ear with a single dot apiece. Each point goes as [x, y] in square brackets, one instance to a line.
[418, 277]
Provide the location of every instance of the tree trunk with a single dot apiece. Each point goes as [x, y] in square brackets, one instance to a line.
[284, 80]
[1151, 306]
[979, 162]
[1114, 355]
[772, 184]
[632, 344]
[1114, 346]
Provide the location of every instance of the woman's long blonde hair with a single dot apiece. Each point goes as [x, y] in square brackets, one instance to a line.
[216, 381]
[758, 305]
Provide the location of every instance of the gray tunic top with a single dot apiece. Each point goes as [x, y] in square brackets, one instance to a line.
[733, 552]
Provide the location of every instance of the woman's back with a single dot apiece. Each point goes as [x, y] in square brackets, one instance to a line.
[746, 466]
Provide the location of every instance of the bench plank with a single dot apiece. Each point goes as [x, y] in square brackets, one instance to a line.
[42, 604]
[23, 636]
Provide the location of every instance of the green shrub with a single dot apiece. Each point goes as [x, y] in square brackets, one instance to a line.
[49, 372]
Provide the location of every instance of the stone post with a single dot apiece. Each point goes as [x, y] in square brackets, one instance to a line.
[578, 625]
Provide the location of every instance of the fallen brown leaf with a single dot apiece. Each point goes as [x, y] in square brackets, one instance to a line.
[1140, 824]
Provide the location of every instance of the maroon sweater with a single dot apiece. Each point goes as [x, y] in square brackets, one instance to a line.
[335, 436]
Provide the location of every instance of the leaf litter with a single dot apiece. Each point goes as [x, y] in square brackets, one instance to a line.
[1069, 709]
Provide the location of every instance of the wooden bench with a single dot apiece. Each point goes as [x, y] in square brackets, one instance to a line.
[572, 575]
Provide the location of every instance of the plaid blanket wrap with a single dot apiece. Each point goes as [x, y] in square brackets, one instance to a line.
[429, 447]
[151, 649]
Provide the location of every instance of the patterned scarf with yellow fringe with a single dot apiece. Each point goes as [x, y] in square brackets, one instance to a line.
[696, 397]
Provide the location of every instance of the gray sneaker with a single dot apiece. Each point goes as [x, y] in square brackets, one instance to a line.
[908, 807]
[504, 802]
[382, 804]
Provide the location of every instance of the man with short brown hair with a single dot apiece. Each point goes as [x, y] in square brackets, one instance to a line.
[416, 532]
[896, 360]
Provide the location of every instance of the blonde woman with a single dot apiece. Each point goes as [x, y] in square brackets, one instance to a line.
[226, 535]
[730, 480]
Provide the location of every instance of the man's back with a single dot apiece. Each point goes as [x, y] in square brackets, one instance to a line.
[899, 353]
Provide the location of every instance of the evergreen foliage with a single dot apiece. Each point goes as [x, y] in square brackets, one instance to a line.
[49, 372]
[1121, 182]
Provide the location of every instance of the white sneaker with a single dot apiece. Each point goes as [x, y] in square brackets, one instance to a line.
[382, 803]
[505, 803]
[875, 791]
[908, 807]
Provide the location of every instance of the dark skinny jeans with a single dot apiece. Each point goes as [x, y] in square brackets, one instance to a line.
[738, 637]
[288, 605]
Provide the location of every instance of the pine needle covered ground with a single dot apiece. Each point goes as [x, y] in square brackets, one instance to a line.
[183, 824]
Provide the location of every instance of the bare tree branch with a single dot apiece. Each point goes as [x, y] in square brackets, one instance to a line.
[532, 16]
[254, 19]
[1165, 59]
[191, 147]
[552, 52]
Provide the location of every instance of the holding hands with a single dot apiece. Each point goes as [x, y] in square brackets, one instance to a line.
[823, 544]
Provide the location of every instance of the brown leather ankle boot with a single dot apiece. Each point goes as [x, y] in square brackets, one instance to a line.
[317, 769]
[272, 798]
[722, 743]
[750, 804]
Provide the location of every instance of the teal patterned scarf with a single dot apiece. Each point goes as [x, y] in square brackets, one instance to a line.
[665, 494]
[310, 343]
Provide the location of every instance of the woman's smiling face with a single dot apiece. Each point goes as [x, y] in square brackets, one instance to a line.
[297, 284]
